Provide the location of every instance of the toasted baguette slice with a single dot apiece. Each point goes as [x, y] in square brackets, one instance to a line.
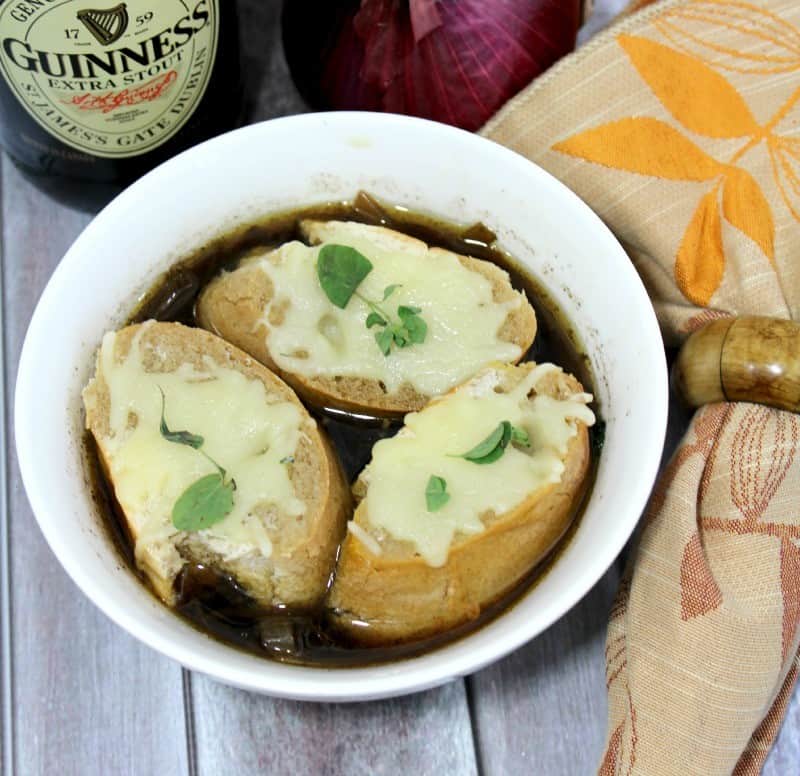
[274, 307]
[399, 580]
[291, 500]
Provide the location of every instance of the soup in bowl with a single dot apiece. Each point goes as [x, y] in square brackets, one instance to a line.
[310, 205]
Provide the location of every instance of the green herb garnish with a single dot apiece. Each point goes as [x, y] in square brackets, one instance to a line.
[384, 339]
[206, 501]
[436, 495]
[493, 447]
[374, 319]
[409, 330]
[341, 270]
[414, 329]
[179, 437]
[389, 290]
[519, 436]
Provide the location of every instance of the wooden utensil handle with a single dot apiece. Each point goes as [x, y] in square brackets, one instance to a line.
[742, 359]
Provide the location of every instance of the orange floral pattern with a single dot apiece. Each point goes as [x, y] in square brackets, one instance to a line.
[692, 27]
[700, 593]
[762, 454]
[739, 463]
[696, 322]
[704, 103]
[620, 754]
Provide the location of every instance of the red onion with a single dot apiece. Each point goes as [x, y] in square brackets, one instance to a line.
[455, 61]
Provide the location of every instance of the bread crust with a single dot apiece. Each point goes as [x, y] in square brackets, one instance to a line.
[232, 306]
[401, 598]
[298, 571]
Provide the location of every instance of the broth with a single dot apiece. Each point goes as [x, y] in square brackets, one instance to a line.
[213, 601]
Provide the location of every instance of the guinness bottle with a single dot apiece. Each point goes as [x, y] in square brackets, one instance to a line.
[94, 93]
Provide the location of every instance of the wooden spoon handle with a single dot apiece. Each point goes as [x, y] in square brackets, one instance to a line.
[742, 359]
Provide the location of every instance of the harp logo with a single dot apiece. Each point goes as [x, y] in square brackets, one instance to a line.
[106, 26]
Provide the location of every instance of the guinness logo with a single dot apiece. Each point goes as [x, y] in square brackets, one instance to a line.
[114, 79]
[106, 26]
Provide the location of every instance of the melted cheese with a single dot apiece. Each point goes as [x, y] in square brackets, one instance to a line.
[317, 339]
[244, 430]
[433, 438]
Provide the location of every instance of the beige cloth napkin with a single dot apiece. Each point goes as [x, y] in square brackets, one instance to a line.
[680, 126]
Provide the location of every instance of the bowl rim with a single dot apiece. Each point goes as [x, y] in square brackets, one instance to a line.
[319, 683]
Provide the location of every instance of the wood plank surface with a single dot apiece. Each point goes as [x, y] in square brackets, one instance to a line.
[82, 697]
[86, 698]
[242, 733]
[542, 710]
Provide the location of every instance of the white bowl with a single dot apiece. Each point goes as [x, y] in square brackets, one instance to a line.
[301, 160]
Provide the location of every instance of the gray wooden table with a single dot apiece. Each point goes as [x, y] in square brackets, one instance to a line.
[80, 696]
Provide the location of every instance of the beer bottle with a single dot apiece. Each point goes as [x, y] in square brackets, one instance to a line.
[94, 93]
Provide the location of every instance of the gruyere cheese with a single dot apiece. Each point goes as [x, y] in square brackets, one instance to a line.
[317, 339]
[432, 442]
[246, 431]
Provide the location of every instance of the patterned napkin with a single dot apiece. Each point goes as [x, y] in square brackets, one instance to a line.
[680, 126]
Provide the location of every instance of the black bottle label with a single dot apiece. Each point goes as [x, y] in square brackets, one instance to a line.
[115, 80]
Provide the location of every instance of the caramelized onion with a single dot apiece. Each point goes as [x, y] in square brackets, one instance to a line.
[455, 61]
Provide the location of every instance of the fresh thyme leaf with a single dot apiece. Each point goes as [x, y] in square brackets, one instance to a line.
[404, 311]
[375, 319]
[597, 436]
[384, 339]
[496, 443]
[436, 495]
[389, 290]
[340, 270]
[414, 328]
[182, 437]
[491, 448]
[417, 329]
[401, 336]
[178, 437]
[519, 436]
[203, 503]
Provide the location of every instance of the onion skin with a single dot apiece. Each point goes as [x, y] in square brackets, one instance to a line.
[454, 61]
